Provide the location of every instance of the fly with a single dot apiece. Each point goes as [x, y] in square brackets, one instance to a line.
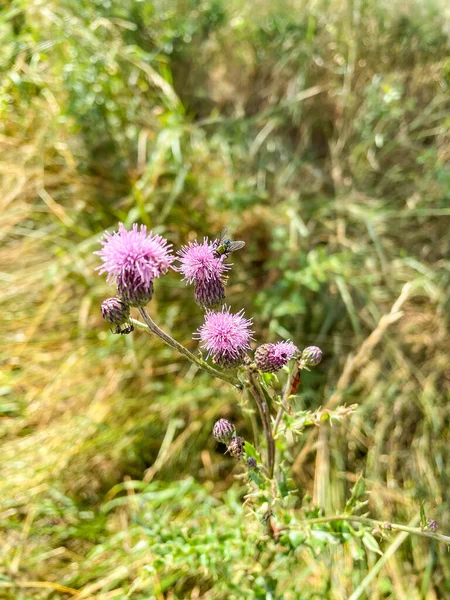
[225, 246]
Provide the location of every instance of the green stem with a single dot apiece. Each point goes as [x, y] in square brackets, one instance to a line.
[166, 338]
[265, 419]
[386, 526]
[286, 391]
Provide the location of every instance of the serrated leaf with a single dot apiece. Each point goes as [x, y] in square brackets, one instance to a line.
[257, 479]
[358, 490]
[250, 450]
[371, 543]
[269, 378]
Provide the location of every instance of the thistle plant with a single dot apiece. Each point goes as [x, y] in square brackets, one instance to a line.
[132, 261]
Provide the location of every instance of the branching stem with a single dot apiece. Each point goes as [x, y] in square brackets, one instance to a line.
[286, 391]
[257, 394]
[167, 339]
[383, 525]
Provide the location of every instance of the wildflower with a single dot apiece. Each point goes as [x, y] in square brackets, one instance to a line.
[223, 430]
[117, 313]
[134, 259]
[226, 336]
[236, 447]
[272, 357]
[201, 266]
[311, 356]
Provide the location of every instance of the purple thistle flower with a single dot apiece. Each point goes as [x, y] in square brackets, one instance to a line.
[200, 266]
[198, 262]
[134, 259]
[272, 357]
[226, 336]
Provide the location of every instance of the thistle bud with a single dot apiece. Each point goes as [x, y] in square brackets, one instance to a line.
[223, 430]
[135, 293]
[117, 314]
[209, 293]
[270, 358]
[251, 462]
[432, 525]
[229, 361]
[311, 356]
[236, 447]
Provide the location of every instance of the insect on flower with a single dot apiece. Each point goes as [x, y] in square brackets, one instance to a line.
[225, 246]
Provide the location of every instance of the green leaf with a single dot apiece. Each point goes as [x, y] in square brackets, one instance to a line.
[358, 490]
[269, 378]
[257, 479]
[371, 543]
[250, 450]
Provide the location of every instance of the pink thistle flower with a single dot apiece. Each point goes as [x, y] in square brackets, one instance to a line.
[226, 336]
[201, 266]
[198, 262]
[134, 259]
[272, 357]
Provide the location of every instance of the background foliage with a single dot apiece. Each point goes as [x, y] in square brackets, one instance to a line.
[318, 131]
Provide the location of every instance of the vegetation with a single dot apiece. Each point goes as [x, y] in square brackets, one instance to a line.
[318, 132]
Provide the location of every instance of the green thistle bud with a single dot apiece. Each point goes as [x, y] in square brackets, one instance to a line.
[432, 525]
[209, 293]
[223, 430]
[236, 447]
[311, 356]
[117, 314]
[252, 462]
[135, 294]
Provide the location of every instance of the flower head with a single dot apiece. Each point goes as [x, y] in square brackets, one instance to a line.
[201, 266]
[311, 356]
[272, 357]
[199, 263]
[223, 430]
[226, 336]
[134, 259]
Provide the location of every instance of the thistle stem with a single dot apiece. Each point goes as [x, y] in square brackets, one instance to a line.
[373, 523]
[286, 391]
[167, 339]
[265, 419]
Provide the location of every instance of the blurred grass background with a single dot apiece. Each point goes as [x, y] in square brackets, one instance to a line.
[319, 132]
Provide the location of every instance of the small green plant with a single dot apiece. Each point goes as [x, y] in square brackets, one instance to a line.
[133, 260]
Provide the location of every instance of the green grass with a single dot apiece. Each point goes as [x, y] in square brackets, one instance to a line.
[319, 133]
